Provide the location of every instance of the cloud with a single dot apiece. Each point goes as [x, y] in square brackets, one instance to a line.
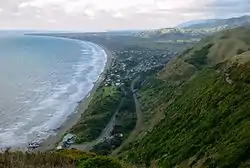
[38, 16]
[228, 8]
[113, 14]
[118, 15]
[139, 6]
[16, 14]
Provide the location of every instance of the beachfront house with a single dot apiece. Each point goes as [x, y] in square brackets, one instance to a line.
[68, 140]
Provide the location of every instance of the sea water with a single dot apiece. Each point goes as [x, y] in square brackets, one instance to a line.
[41, 81]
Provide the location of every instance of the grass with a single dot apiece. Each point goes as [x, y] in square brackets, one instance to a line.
[101, 109]
[34, 160]
[61, 159]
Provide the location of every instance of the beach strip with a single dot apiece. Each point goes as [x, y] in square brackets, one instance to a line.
[51, 142]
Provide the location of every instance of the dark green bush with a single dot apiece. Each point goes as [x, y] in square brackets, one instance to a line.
[99, 162]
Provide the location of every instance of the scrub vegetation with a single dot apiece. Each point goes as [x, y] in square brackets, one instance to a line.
[197, 109]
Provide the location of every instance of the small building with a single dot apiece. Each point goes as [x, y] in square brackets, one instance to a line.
[68, 140]
[59, 147]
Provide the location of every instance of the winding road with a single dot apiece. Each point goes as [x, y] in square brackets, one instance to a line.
[106, 133]
[139, 121]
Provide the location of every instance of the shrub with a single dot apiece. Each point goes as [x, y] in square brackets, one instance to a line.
[99, 162]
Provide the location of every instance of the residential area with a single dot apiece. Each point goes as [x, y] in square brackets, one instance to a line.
[131, 62]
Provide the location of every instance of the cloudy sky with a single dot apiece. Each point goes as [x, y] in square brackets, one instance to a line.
[98, 15]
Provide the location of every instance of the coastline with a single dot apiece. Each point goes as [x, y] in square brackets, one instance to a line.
[51, 142]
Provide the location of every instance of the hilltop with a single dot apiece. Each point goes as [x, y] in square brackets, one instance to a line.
[195, 22]
[193, 31]
[218, 23]
[196, 110]
[208, 52]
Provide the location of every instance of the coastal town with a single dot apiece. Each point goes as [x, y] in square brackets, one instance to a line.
[130, 63]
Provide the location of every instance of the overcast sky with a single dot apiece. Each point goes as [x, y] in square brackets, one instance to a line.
[98, 15]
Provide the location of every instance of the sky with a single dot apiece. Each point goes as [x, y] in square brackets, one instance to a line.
[101, 15]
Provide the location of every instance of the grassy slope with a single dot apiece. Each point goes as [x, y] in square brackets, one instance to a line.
[210, 51]
[105, 102]
[193, 115]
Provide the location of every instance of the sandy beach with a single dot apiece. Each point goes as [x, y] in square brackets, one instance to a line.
[51, 142]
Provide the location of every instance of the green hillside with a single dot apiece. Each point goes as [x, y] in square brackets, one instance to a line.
[196, 111]
[208, 52]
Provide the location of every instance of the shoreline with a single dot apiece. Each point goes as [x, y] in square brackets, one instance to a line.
[51, 142]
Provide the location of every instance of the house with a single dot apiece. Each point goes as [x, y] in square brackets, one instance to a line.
[68, 140]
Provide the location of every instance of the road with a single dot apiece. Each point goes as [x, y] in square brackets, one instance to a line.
[108, 129]
[106, 133]
[139, 121]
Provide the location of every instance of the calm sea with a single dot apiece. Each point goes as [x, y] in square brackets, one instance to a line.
[41, 81]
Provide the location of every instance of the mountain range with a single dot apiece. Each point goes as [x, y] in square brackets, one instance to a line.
[217, 23]
[195, 30]
[195, 22]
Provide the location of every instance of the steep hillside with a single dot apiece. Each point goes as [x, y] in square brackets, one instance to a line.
[196, 111]
[208, 52]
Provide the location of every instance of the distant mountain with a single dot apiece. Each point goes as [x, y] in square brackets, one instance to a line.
[171, 32]
[195, 22]
[193, 31]
[175, 35]
[218, 24]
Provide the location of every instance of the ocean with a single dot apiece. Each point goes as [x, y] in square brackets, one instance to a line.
[42, 79]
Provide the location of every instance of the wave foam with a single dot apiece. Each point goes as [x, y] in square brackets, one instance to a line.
[54, 109]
